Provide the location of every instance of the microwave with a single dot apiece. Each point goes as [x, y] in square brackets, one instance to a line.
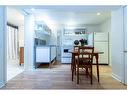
[66, 50]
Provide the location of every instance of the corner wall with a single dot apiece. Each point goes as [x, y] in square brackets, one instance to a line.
[3, 42]
[117, 44]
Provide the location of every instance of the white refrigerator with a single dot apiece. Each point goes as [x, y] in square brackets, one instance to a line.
[101, 44]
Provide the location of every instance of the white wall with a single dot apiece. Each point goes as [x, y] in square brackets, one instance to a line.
[125, 44]
[106, 26]
[93, 28]
[3, 42]
[21, 36]
[117, 43]
[89, 27]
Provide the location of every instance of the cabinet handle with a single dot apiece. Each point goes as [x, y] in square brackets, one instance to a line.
[101, 52]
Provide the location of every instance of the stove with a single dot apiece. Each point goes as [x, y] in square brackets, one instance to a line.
[65, 55]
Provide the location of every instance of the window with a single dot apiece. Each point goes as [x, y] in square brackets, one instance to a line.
[12, 42]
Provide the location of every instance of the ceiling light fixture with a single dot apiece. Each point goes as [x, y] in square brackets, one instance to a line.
[98, 13]
[32, 9]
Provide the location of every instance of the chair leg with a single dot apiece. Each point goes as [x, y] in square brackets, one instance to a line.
[72, 72]
[20, 63]
[50, 65]
[77, 75]
[75, 67]
[87, 72]
[91, 76]
[98, 72]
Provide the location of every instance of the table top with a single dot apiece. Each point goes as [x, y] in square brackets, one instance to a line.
[76, 52]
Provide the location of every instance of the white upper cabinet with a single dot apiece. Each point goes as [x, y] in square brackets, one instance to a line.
[42, 28]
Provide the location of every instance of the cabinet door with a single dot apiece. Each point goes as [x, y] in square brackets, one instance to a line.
[102, 47]
[21, 55]
[42, 54]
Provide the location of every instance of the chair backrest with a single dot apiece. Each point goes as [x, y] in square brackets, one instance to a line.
[86, 49]
[86, 53]
[76, 48]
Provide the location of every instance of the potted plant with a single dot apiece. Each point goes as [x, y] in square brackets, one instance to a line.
[83, 42]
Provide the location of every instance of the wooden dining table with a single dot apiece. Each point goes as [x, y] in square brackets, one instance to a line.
[95, 54]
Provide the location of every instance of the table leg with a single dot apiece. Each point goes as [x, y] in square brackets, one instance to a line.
[72, 66]
[71, 61]
[97, 67]
[77, 72]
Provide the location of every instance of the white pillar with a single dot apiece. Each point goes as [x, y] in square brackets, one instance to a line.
[3, 43]
[29, 42]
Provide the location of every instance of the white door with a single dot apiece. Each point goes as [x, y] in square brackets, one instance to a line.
[125, 44]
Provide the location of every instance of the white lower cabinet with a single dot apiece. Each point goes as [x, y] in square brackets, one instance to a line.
[45, 53]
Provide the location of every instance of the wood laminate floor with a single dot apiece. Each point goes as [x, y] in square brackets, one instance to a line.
[13, 69]
[59, 77]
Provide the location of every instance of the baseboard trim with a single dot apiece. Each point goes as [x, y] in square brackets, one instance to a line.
[100, 64]
[116, 77]
[1, 84]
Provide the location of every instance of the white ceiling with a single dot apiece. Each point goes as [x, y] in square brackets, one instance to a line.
[15, 17]
[63, 14]
[73, 17]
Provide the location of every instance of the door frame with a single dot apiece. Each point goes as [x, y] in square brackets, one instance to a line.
[3, 64]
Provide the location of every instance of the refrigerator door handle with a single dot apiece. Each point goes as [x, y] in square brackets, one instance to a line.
[125, 51]
[101, 52]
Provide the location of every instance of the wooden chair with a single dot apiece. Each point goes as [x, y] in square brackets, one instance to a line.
[84, 61]
[73, 55]
[76, 48]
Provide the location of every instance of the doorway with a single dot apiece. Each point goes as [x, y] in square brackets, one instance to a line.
[15, 40]
[94, 27]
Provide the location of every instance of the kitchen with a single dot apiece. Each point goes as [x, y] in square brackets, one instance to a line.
[100, 40]
[100, 29]
[54, 35]
[51, 30]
